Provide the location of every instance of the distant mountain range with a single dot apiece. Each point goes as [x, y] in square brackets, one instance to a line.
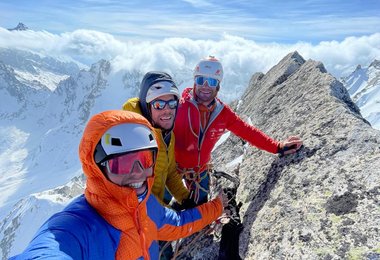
[363, 84]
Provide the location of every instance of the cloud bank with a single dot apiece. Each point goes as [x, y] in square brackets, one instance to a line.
[241, 57]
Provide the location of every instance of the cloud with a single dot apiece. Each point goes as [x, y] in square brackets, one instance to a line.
[199, 3]
[241, 57]
[340, 58]
[279, 21]
[85, 45]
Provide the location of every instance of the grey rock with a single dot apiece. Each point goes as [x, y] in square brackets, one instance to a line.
[323, 202]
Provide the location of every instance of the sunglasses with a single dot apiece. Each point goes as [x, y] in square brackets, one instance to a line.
[125, 163]
[161, 104]
[200, 80]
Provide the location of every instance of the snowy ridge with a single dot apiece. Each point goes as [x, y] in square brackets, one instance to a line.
[35, 70]
[44, 78]
[29, 213]
[364, 87]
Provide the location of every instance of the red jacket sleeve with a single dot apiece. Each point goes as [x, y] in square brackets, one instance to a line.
[249, 133]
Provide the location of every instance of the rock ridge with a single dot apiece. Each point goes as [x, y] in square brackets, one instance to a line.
[323, 202]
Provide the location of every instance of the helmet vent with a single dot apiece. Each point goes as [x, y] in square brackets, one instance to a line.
[151, 137]
[116, 142]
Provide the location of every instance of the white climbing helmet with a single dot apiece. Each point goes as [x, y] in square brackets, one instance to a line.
[160, 89]
[123, 138]
[209, 67]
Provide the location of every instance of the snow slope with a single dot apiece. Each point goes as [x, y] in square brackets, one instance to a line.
[364, 87]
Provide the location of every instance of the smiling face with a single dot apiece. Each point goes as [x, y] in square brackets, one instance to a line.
[164, 118]
[205, 94]
[130, 169]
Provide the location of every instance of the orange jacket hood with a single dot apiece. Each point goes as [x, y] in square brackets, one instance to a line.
[106, 197]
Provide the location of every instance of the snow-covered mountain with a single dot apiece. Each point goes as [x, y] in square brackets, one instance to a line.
[44, 106]
[364, 87]
[35, 70]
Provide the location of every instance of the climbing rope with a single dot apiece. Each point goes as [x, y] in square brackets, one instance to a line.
[231, 212]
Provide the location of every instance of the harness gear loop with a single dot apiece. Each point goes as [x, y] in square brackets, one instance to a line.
[193, 178]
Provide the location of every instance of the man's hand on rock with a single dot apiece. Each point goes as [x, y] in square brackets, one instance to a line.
[290, 145]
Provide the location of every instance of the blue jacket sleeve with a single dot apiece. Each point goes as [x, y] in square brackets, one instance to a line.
[77, 232]
[173, 225]
[52, 244]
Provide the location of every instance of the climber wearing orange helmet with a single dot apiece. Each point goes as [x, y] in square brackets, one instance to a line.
[201, 120]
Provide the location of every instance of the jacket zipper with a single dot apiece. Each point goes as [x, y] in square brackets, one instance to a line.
[204, 132]
[141, 235]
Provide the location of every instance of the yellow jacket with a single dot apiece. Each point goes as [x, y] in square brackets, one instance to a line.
[165, 170]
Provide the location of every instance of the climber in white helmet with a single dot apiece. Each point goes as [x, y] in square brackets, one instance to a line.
[201, 120]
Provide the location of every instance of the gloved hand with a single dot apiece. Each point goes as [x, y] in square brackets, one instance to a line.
[188, 204]
[290, 145]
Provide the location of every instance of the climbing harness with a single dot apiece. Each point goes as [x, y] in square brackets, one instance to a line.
[224, 223]
[193, 177]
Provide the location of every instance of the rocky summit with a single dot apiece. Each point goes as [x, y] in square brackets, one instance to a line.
[324, 201]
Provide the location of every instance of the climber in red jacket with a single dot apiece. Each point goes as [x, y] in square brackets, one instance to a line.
[202, 119]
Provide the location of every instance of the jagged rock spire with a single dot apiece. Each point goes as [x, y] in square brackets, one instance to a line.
[20, 27]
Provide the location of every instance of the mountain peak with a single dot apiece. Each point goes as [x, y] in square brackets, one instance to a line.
[375, 63]
[20, 27]
[296, 57]
[359, 67]
[286, 67]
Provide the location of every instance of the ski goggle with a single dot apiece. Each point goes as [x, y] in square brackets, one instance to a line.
[125, 163]
[160, 104]
[200, 80]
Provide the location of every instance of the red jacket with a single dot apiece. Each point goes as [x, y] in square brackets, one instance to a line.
[193, 150]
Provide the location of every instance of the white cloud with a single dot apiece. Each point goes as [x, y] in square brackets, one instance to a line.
[340, 58]
[199, 3]
[84, 45]
[240, 57]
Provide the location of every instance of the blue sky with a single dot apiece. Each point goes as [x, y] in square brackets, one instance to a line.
[262, 21]
[248, 36]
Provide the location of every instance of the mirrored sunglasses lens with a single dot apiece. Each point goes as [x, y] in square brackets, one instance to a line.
[199, 80]
[158, 104]
[172, 104]
[212, 82]
[124, 164]
[146, 158]
[119, 166]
